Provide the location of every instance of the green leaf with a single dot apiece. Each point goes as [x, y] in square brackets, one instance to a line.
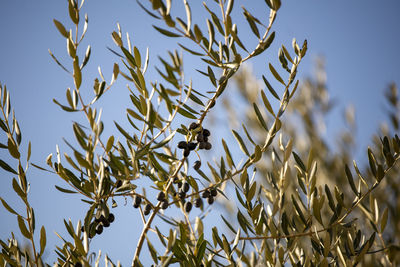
[42, 240]
[228, 154]
[13, 149]
[267, 104]
[24, 230]
[272, 91]
[152, 250]
[276, 74]
[212, 76]
[110, 143]
[186, 113]
[351, 181]
[11, 210]
[251, 20]
[257, 153]
[241, 143]
[61, 28]
[77, 73]
[65, 190]
[18, 190]
[7, 167]
[260, 117]
[299, 161]
[166, 33]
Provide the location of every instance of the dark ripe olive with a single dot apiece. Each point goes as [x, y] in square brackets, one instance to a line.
[78, 264]
[105, 223]
[147, 209]
[206, 132]
[213, 192]
[136, 201]
[182, 144]
[198, 202]
[205, 194]
[161, 196]
[118, 184]
[83, 229]
[200, 138]
[192, 145]
[193, 126]
[205, 139]
[208, 146]
[111, 218]
[202, 145]
[188, 206]
[164, 204]
[197, 165]
[179, 184]
[99, 229]
[186, 152]
[181, 194]
[185, 187]
[210, 200]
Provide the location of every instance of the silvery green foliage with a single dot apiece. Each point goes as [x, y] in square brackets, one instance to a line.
[295, 201]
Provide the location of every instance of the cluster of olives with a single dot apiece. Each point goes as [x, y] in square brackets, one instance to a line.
[210, 194]
[100, 221]
[137, 200]
[201, 138]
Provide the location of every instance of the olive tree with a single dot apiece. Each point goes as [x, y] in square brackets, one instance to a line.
[289, 199]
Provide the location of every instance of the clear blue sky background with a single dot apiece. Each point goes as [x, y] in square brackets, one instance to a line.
[359, 40]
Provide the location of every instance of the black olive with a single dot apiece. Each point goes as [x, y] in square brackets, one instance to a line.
[83, 229]
[78, 264]
[147, 209]
[206, 194]
[193, 126]
[179, 184]
[198, 202]
[205, 139]
[192, 145]
[111, 218]
[136, 201]
[164, 204]
[105, 223]
[188, 206]
[161, 196]
[208, 146]
[202, 145]
[186, 152]
[197, 165]
[210, 200]
[181, 194]
[182, 144]
[200, 138]
[206, 132]
[213, 192]
[185, 187]
[99, 229]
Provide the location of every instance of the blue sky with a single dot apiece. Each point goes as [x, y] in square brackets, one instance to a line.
[359, 40]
